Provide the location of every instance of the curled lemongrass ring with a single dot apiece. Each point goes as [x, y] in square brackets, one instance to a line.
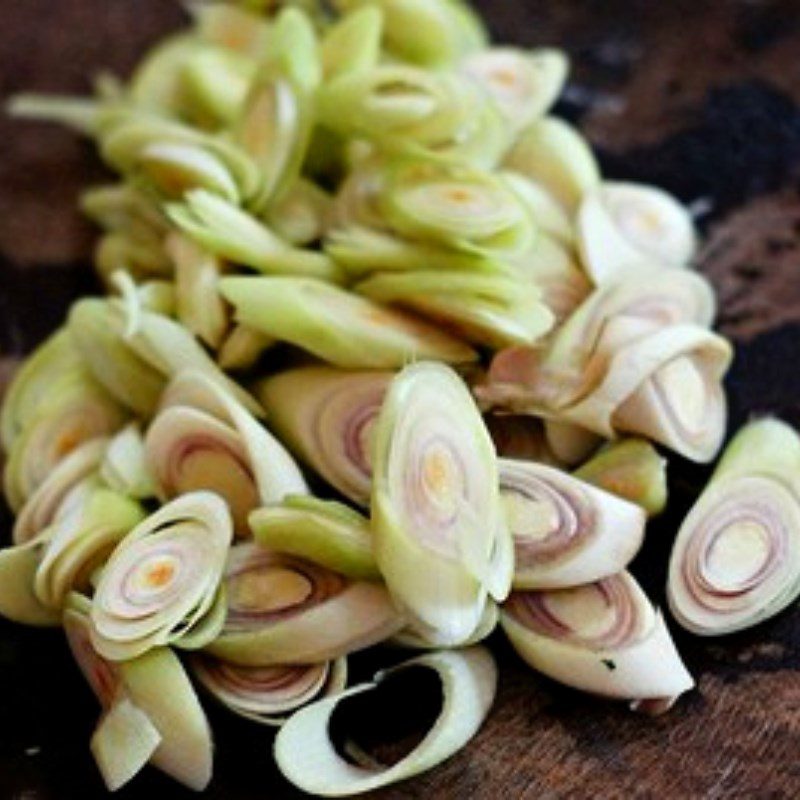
[566, 532]
[268, 695]
[161, 584]
[605, 638]
[735, 560]
[285, 610]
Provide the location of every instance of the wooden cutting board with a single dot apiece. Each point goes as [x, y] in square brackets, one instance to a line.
[698, 96]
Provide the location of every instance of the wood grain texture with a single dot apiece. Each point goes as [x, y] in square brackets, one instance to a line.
[642, 75]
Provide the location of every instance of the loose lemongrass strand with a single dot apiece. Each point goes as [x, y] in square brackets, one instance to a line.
[627, 227]
[340, 328]
[285, 610]
[163, 578]
[735, 559]
[269, 695]
[326, 417]
[302, 215]
[307, 757]
[605, 638]
[323, 531]
[566, 532]
[352, 43]
[242, 348]
[216, 81]
[18, 601]
[77, 113]
[632, 469]
[124, 467]
[411, 639]
[520, 437]
[555, 155]
[441, 541]
[202, 438]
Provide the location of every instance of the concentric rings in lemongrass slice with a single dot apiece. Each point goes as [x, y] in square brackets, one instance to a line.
[285, 610]
[268, 695]
[202, 438]
[735, 559]
[440, 538]
[604, 637]
[566, 532]
[163, 579]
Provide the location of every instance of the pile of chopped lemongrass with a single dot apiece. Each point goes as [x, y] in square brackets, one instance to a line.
[382, 360]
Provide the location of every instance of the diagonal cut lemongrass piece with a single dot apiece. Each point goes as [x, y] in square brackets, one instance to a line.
[326, 417]
[735, 559]
[157, 686]
[323, 531]
[78, 113]
[632, 469]
[571, 444]
[343, 329]
[302, 215]
[308, 758]
[566, 532]
[520, 437]
[232, 27]
[548, 214]
[163, 579]
[242, 348]
[605, 638]
[285, 610]
[632, 228]
[202, 438]
[124, 467]
[441, 541]
[411, 639]
[268, 695]
[18, 601]
[352, 43]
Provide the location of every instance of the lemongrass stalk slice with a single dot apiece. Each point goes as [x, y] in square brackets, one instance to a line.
[571, 444]
[626, 227]
[121, 207]
[302, 215]
[520, 437]
[307, 757]
[427, 639]
[268, 695]
[216, 81]
[632, 469]
[353, 43]
[141, 255]
[77, 113]
[202, 438]
[242, 348]
[734, 562]
[18, 602]
[605, 638]
[285, 610]
[357, 200]
[326, 417]
[157, 296]
[232, 27]
[124, 467]
[342, 329]
[437, 520]
[323, 531]
[555, 155]
[548, 214]
[566, 532]
[163, 578]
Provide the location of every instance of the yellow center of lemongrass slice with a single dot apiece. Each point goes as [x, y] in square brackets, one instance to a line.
[585, 610]
[442, 478]
[737, 554]
[156, 573]
[269, 589]
[530, 518]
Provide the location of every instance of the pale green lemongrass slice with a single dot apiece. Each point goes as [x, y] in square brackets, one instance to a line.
[632, 469]
[242, 348]
[605, 638]
[157, 296]
[18, 601]
[631, 228]
[163, 578]
[548, 214]
[138, 253]
[437, 520]
[352, 43]
[285, 610]
[326, 417]
[343, 329]
[566, 532]
[78, 113]
[231, 27]
[427, 638]
[554, 154]
[323, 531]
[571, 443]
[357, 200]
[216, 81]
[307, 757]
[124, 208]
[124, 466]
[735, 559]
[302, 215]
[520, 437]
[269, 695]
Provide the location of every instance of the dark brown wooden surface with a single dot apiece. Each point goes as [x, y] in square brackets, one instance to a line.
[641, 90]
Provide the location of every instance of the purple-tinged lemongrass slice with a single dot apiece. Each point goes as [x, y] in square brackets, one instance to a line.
[566, 532]
[163, 580]
[326, 417]
[268, 695]
[308, 758]
[286, 610]
[441, 541]
[735, 559]
[124, 467]
[605, 638]
[520, 437]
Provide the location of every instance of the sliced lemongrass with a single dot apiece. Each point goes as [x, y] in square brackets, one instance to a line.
[632, 469]
[232, 27]
[124, 208]
[307, 757]
[441, 541]
[163, 578]
[140, 255]
[343, 329]
[554, 154]
[548, 214]
[124, 467]
[520, 437]
[627, 227]
[157, 296]
[570, 443]
[566, 532]
[735, 559]
[326, 417]
[301, 216]
[353, 43]
[357, 200]
[605, 638]
[216, 82]
[285, 610]
[268, 695]
[322, 531]
[242, 348]
[77, 113]
[427, 639]
[18, 601]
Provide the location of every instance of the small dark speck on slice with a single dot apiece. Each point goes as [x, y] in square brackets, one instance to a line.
[610, 665]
